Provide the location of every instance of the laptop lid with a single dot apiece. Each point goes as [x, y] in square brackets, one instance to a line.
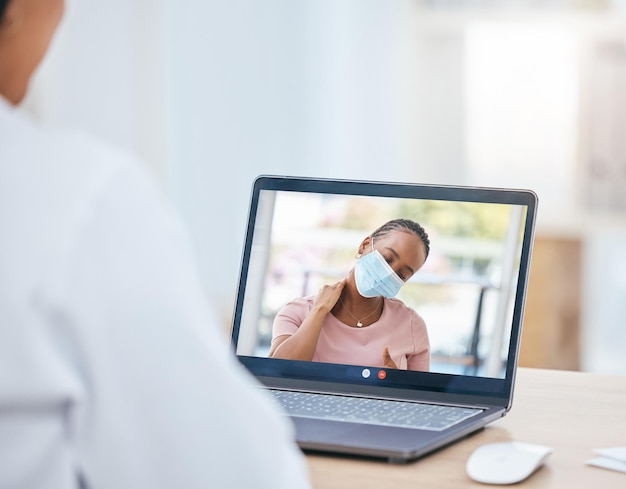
[303, 233]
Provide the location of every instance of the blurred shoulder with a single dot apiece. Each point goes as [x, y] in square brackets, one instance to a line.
[52, 180]
[35, 156]
[299, 304]
[397, 307]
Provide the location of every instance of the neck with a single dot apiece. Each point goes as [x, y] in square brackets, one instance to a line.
[353, 305]
[355, 301]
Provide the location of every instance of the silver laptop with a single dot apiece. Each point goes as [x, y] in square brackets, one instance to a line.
[303, 233]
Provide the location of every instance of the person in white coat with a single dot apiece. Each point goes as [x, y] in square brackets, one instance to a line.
[113, 372]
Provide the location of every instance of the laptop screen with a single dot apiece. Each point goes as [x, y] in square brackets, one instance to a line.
[459, 317]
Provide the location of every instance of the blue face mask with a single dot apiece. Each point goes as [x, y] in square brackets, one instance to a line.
[374, 277]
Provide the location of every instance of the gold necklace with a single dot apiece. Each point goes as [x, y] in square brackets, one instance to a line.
[359, 322]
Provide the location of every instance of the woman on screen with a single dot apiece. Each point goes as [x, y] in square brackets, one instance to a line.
[357, 320]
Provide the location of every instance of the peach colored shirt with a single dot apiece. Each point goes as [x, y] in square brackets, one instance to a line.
[399, 327]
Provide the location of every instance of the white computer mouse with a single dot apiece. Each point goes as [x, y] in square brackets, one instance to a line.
[506, 462]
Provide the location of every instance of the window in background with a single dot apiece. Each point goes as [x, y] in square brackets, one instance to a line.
[522, 109]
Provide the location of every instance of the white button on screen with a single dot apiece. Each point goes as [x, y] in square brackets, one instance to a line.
[366, 373]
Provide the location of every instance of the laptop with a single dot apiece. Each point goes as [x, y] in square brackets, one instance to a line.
[302, 234]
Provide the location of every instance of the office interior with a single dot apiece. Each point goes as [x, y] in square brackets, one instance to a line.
[511, 93]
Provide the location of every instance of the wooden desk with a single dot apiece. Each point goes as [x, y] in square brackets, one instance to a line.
[572, 412]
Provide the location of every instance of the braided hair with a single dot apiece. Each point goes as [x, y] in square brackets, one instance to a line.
[406, 225]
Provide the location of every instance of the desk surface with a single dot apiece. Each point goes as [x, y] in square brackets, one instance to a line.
[572, 412]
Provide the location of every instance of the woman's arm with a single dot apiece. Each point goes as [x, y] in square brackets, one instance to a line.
[301, 345]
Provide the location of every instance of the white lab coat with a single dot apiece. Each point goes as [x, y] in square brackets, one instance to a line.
[113, 373]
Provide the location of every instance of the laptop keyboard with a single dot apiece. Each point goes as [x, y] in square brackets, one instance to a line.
[404, 414]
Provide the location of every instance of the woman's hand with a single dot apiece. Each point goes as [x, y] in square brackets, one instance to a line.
[328, 296]
[387, 360]
[301, 345]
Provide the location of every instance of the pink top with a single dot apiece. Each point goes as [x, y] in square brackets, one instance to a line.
[399, 327]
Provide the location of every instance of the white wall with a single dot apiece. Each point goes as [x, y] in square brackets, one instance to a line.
[603, 338]
[103, 75]
[282, 86]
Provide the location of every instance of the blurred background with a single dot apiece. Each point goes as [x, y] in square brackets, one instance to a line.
[513, 93]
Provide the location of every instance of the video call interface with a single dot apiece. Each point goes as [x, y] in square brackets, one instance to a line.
[464, 292]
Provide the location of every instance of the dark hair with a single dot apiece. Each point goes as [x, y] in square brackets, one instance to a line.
[406, 225]
[3, 5]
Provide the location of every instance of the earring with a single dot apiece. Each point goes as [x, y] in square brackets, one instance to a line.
[358, 255]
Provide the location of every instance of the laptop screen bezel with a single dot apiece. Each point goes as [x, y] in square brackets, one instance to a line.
[342, 378]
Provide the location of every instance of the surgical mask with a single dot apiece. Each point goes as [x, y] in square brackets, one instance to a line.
[374, 277]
